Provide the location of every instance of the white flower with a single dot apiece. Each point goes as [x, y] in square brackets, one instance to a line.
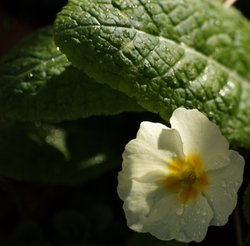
[177, 181]
[228, 3]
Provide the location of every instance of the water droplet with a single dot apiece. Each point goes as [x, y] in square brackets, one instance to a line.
[211, 113]
[52, 59]
[204, 77]
[126, 34]
[31, 75]
[179, 211]
[76, 40]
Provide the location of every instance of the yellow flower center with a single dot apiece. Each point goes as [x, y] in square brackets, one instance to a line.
[186, 177]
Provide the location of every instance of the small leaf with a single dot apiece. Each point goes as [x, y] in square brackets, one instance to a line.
[92, 147]
[38, 83]
[57, 139]
[166, 54]
[246, 204]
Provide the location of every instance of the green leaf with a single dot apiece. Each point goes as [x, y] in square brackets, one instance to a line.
[38, 83]
[246, 204]
[166, 54]
[70, 153]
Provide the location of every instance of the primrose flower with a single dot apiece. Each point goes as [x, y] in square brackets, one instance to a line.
[228, 3]
[177, 181]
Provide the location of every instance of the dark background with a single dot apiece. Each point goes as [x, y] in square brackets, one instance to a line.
[36, 213]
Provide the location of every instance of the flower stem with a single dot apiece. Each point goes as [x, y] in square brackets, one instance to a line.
[238, 228]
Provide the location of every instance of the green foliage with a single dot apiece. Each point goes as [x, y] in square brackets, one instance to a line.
[59, 166]
[38, 83]
[166, 54]
[69, 153]
[246, 204]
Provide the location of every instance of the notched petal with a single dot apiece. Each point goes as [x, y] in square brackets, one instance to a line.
[177, 182]
[222, 191]
[170, 140]
[200, 136]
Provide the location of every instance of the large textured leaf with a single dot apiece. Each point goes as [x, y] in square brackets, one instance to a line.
[38, 83]
[166, 54]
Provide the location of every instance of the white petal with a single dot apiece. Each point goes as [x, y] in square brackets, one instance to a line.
[201, 136]
[138, 199]
[159, 136]
[222, 190]
[169, 219]
[143, 168]
[154, 145]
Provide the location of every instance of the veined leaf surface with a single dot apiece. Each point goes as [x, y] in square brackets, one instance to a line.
[166, 54]
[37, 82]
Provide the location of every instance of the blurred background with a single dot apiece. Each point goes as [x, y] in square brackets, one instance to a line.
[58, 181]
